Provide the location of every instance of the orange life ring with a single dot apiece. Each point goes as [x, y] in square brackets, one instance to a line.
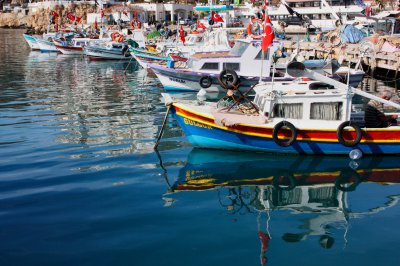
[135, 23]
[117, 37]
[250, 28]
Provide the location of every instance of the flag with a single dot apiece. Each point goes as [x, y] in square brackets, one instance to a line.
[200, 25]
[265, 4]
[182, 35]
[54, 14]
[268, 34]
[95, 25]
[102, 13]
[215, 17]
[73, 18]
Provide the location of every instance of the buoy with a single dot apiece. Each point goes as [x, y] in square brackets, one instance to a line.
[355, 154]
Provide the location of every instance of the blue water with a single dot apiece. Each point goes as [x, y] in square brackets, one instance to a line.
[80, 183]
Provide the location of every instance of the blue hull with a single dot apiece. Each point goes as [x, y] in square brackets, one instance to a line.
[204, 136]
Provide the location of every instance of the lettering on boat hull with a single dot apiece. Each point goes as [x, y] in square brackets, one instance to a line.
[194, 123]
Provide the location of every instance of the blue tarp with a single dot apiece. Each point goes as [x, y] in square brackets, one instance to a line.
[350, 34]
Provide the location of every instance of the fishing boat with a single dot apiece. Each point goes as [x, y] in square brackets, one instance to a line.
[43, 43]
[73, 45]
[214, 41]
[203, 70]
[32, 42]
[325, 16]
[314, 115]
[107, 50]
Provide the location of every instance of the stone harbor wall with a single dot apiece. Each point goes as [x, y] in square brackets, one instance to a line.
[37, 22]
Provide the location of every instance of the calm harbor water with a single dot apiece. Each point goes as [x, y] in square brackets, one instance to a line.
[80, 183]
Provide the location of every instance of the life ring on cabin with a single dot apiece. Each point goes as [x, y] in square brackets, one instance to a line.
[117, 37]
[284, 142]
[345, 176]
[279, 183]
[205, 82]
[254, 29]
[340, 131]
[228, 79]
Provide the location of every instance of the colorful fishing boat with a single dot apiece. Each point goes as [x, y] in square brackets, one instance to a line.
[313, 116]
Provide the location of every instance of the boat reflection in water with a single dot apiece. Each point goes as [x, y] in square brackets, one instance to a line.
[321, 188]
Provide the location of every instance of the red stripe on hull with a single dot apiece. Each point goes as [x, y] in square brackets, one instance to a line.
[375, 135]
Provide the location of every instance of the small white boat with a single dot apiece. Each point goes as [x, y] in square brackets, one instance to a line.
[73, 47]
[32, 41]
[203, 70]
[108, 50]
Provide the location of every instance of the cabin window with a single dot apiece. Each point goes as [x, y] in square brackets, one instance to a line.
[288, 110]
[326, 111]
[239, 48]
[210, 66]
[232, 66]
[259, 55]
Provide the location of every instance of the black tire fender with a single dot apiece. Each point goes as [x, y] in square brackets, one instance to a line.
[228, 79]
[284, 142]
[205, 82]
[349, 143]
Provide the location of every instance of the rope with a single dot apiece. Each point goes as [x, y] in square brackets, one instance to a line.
[163, 126]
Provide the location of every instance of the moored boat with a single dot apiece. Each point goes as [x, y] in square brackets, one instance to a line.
[72, 47]
[108, 50]
[299, 117]
[246, 58]
[32, 41]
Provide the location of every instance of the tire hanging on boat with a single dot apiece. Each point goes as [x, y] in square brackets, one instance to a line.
[284, 142]
[349, 143]
[205, 82]
[228, 79]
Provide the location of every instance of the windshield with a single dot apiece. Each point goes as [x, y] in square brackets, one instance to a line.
[239, 48]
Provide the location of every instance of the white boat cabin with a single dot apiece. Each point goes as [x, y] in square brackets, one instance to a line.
[244, 58]
[306, 104]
